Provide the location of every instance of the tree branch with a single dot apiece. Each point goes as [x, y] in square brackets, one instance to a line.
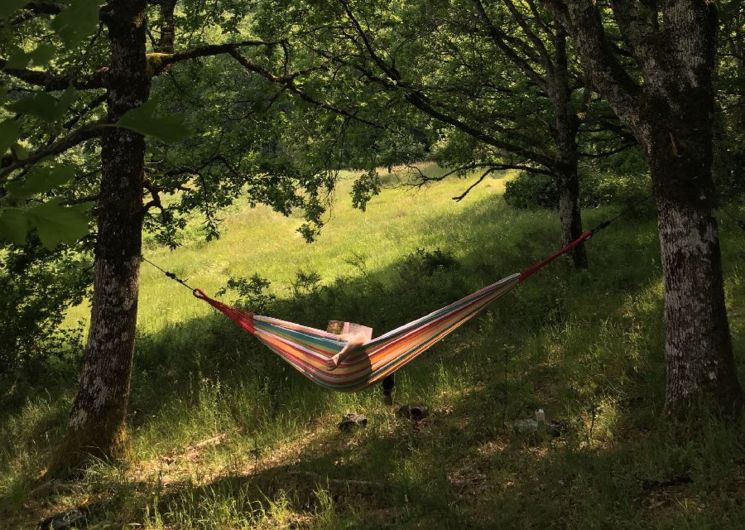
[50, 81]
[462, 196]
[83, 134]
[289, 83]
[583, 21]
[499, 39]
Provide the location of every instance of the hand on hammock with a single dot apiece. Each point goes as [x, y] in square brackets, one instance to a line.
[333, 362]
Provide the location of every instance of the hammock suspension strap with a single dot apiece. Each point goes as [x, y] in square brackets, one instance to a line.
[308, 350]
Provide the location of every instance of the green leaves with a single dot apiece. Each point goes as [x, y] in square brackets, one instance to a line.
[143, 120]
[40, 180]
[10, 130]
[39, 57]
[13, 225]
[8, 7]
[77, 21]
[40, 105]
[43, 105]
[53, 222]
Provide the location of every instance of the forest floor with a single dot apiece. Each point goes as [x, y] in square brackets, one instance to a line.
[225, 435]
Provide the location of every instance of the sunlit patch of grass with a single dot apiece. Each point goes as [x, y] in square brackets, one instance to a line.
[225, 435]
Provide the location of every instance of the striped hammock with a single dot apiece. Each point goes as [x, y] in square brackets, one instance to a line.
[307, 349]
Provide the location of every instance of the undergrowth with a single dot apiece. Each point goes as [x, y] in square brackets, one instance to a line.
[225, 435]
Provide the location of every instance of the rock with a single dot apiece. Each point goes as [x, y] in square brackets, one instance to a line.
[351, 422]
[414, 413]
[537, 425]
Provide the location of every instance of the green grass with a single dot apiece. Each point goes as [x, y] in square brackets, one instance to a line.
[225, 435]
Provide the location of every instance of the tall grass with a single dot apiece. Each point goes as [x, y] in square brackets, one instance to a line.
[225, 435]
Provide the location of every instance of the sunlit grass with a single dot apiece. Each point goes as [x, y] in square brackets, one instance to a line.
[225, 435]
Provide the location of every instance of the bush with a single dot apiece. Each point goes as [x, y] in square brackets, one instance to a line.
[38, 287]
[528, 191]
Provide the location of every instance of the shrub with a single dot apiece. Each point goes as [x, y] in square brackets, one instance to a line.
[38, 287]
[528, 191]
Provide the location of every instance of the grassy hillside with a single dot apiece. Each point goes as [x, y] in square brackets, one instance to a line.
[225, 435]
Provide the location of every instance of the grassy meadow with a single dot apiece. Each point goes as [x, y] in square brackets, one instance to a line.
[225, 435]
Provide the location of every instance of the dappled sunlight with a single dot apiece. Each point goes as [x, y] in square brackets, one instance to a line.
[222, 429]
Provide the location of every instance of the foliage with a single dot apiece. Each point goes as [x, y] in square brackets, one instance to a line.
[38, 287]
[252, 292]
[729, 162]
[598, 189]
[32, 124]
[532, 191]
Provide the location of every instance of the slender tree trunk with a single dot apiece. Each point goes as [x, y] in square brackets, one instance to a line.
[167, 26]
[97, 420]
[569, 210]
[565, 169]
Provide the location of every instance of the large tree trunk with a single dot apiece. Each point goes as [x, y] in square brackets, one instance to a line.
[565, 168]
[671, 116]
[97, 420]
[677, 115]
[699, 356]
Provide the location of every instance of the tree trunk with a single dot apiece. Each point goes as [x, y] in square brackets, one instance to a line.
[569, 211]
[97, 420]
[699, 357]
[167, 26]
[676, 114]
[671, 117]
[565, 168]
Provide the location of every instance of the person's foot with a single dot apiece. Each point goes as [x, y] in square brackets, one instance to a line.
[332, 363]
[388, 399]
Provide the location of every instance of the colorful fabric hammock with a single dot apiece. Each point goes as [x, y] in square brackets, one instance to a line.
[307, 349]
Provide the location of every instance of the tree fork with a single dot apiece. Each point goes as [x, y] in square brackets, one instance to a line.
[97, 421]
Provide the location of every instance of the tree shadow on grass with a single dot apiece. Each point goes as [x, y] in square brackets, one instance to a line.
[585, 346]
[173, 363]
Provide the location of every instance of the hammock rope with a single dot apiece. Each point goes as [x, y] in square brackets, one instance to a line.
[307, 349]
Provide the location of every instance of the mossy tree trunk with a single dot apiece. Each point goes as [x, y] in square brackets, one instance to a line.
[97, 420]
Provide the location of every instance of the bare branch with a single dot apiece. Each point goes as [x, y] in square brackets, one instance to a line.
[460, 197]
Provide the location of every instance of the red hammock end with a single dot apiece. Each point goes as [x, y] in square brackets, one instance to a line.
[530, 271]
[243, 319]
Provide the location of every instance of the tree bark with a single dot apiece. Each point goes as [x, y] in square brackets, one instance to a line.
[671, 115]
[698, 349]
[97, 420]
[167, 39]
[565, 167]
[570, 216]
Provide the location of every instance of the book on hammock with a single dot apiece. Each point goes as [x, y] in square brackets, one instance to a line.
[337, 327]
